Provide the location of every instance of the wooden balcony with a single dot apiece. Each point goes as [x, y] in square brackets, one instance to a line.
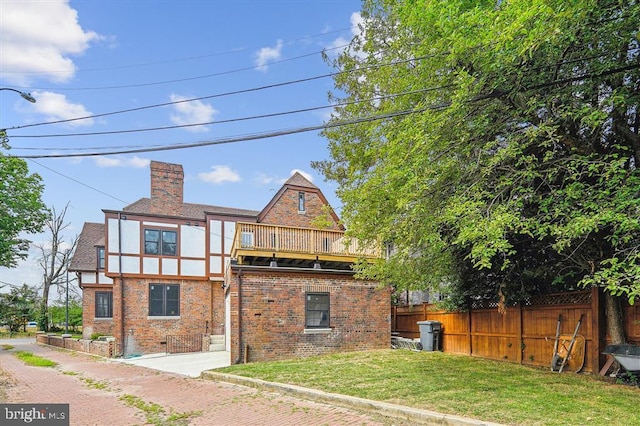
[258, 244]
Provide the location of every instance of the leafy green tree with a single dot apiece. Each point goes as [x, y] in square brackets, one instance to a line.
[495, 143]
[58, 312]
[21, 206]
[17, 307]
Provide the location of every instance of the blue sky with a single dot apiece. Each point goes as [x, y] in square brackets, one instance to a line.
[115, 61]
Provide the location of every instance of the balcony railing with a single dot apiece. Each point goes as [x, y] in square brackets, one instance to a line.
[305, 242]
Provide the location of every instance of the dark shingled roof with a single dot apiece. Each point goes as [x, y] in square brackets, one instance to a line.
[85, 257]
[189, 210]
[298, 180]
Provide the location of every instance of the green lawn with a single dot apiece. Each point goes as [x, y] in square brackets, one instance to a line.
[456, 384]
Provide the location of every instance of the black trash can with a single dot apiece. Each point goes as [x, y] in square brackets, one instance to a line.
[430, 335]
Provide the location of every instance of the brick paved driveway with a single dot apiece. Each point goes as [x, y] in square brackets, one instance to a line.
[103, 392]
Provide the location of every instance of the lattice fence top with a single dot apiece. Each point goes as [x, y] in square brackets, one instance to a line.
[484, 304]
[574, 298]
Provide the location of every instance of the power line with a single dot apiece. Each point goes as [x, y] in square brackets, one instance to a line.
[235, 92]
[232, 139]
[231, 120]
[76, 181]
[282, 113]
[272, 134]
[175, 60]
[275, 85]
[200, 77]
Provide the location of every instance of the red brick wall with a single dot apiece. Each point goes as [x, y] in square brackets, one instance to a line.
[273, 315]
[91, 325]
[167, 184]
[216, 326]
[104, 349]
[285, 211]
[144, 334]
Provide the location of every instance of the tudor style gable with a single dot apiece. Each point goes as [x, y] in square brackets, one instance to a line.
[299, 203]
[88, 261]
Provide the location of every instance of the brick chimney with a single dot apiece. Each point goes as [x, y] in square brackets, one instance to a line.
[167, 182]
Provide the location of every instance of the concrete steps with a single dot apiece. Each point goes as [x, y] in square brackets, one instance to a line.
[216, 342]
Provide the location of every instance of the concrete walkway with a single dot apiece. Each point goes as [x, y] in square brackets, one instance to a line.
[191, 365]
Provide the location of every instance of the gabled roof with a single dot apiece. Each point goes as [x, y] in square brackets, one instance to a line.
[190, 210]
[85, 257]
[297, 182]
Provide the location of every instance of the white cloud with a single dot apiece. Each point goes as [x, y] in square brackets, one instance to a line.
[135, 162]
[138, 162]
[219, 174]
[268, 54]
[338, 45]
[193, 112]
[264, 179]
[56, 107]
[40, 37]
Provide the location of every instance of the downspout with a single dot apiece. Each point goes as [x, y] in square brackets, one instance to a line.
[121, 283]
[237, 361]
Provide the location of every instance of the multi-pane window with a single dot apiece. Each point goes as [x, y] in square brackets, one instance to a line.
[301, 201]
[100, 257]
[160, 242]
[164, 300]
[317, 310]
[104, 304]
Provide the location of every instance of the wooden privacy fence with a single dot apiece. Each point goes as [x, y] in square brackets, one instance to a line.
[523, 334]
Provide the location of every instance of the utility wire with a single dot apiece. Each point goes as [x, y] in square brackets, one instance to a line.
[232, 139]
[219, 95]
[231, 120]
[200, 77]
[249, 90]
[77, 181]
[167, 61]
[271, 134]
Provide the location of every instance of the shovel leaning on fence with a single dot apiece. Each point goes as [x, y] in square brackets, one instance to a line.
[568, 349]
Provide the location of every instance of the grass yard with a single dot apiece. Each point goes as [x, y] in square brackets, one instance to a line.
[456, 384]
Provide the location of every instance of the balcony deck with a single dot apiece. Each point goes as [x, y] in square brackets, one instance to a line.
[257, 244]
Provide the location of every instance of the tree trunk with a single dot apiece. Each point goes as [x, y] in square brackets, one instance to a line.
[615, 324]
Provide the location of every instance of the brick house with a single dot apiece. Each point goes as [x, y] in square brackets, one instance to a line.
[276, 283]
